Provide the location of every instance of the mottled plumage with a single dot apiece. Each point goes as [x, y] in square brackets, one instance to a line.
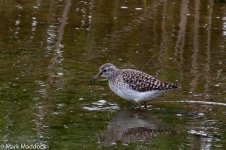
[142, 82]
[132, 84]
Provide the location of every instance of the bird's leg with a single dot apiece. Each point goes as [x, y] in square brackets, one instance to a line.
[145, 104]
[139, 108]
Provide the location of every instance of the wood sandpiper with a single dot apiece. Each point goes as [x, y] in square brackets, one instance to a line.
[132, 85]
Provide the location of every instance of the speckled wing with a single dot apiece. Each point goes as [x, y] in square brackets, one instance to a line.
[142, 82]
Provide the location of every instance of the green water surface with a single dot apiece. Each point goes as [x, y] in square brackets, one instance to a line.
[49, 50]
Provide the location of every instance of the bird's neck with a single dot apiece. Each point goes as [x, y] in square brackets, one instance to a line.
[113, 75]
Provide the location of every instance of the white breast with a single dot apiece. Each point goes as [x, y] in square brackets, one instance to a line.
[129, 94]
[120, 91]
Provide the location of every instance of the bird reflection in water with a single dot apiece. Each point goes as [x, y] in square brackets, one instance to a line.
[132, 126]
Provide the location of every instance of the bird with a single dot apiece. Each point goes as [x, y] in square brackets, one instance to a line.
[131, 84]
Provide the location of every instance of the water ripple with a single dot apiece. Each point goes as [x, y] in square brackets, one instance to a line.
[199, 102]
[101, 105]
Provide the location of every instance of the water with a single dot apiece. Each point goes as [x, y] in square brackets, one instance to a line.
[49, 51]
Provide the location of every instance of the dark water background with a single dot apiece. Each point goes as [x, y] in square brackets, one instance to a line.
[49, 50]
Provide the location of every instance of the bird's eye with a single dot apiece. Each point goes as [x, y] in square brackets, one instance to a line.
[104, 70]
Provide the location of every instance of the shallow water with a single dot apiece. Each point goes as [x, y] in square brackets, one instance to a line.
[49, 51]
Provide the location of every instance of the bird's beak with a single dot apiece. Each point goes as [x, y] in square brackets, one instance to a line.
[95, 78]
